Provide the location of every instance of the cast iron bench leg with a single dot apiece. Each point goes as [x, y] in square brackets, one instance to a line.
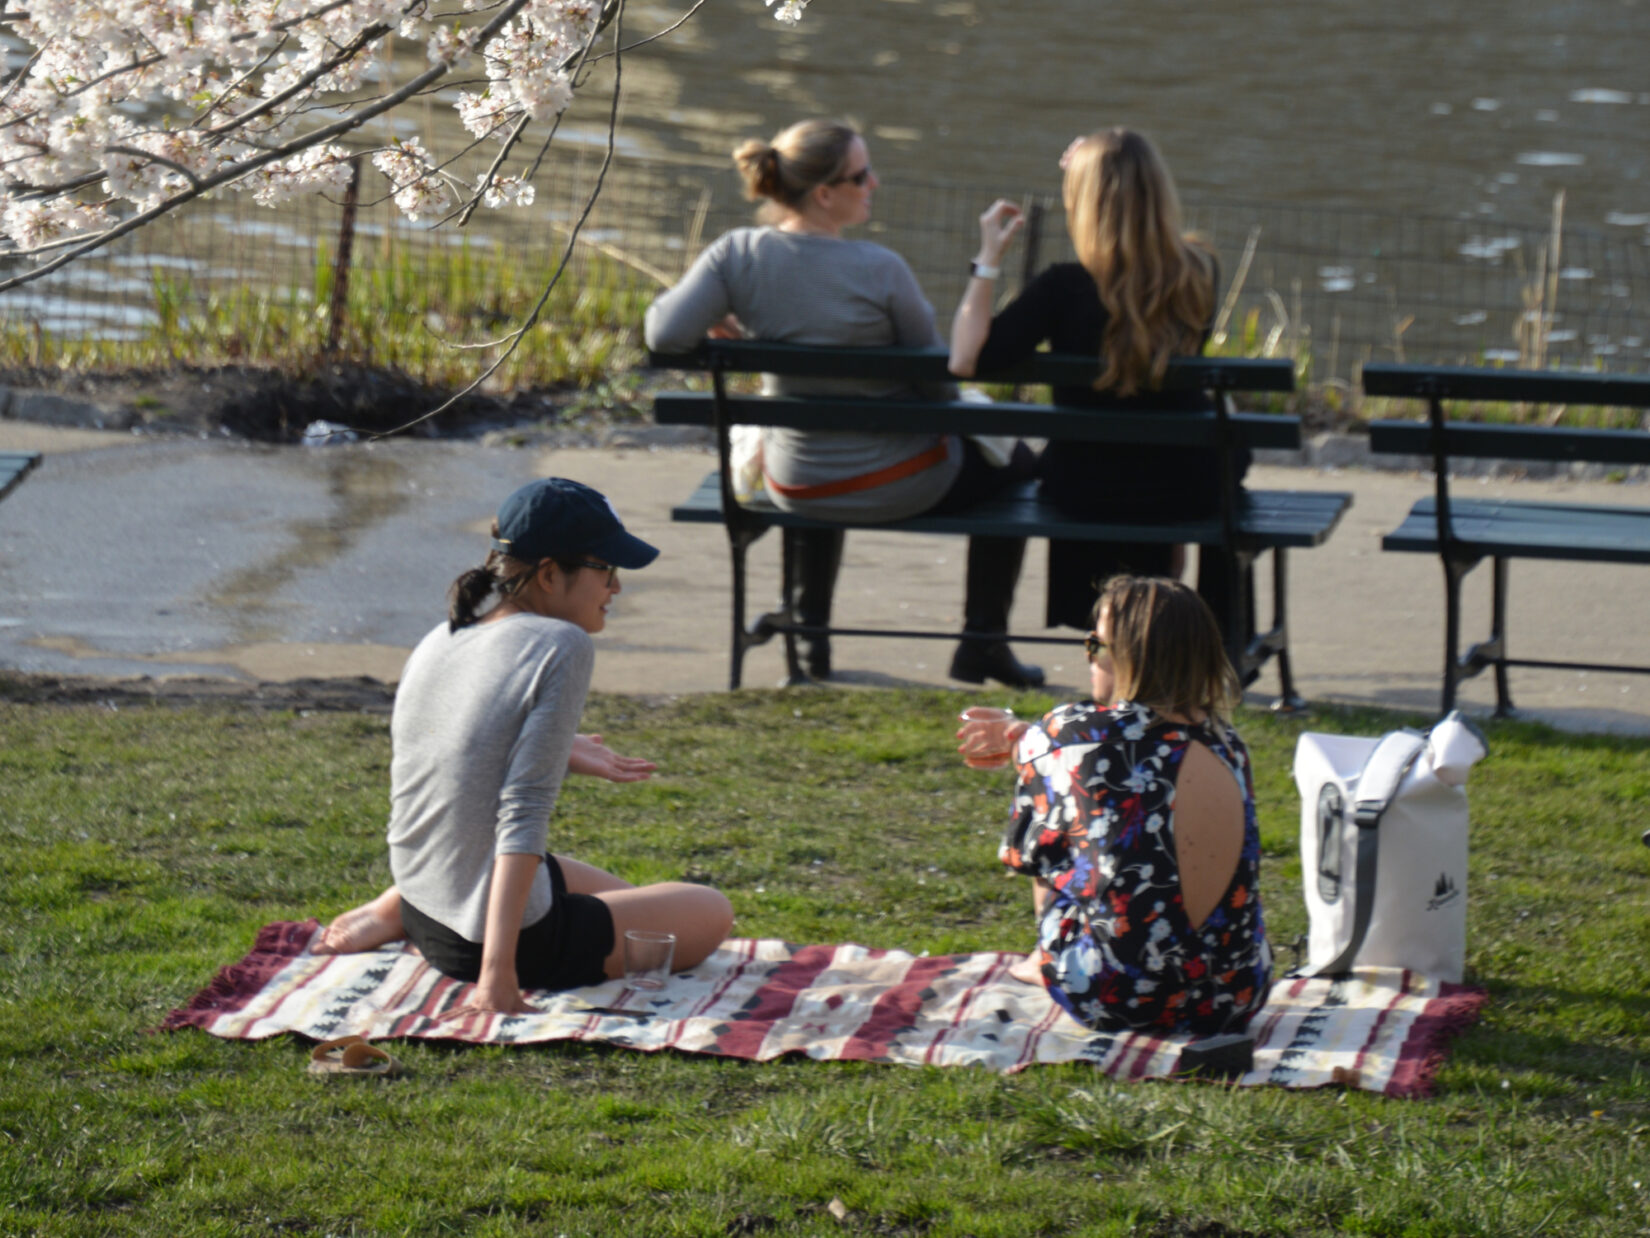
[1289, 701]
[1455, 571]
[1497, 644]
[739, 541]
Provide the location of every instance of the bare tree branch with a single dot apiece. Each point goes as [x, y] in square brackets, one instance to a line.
[151, 157]
[515, 337]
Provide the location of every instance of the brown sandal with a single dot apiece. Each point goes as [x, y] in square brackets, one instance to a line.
[351, 1055]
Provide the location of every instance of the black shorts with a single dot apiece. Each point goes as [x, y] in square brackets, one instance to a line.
[567, 949]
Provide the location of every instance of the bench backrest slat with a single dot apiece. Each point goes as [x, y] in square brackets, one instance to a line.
[1180, 429]
[921, 365]
[1444, 382]
[1512, 442]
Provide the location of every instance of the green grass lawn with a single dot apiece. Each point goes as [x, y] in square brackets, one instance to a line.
[141, 848]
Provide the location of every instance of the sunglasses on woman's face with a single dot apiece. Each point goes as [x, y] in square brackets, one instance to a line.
[612, 572]
[1094, 646]
[858, 178]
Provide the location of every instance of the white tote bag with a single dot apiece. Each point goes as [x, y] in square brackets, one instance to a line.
[1384, 848]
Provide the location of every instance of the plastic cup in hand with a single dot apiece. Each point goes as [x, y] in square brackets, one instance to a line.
[647, 958]
[998, 720]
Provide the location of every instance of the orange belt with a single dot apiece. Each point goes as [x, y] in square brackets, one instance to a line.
[865, 481]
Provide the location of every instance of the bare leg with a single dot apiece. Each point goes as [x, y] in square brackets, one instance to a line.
[1030, 968]
[366, 927]
[585, 878]
[698, 915]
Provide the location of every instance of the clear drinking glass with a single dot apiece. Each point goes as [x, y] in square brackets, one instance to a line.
[647, 958]
[998, 720]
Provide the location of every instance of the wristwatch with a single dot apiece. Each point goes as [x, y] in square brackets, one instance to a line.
[979, 270]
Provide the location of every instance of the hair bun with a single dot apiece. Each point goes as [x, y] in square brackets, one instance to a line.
[758, 164]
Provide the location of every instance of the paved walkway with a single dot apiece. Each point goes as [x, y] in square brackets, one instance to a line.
[123, 556]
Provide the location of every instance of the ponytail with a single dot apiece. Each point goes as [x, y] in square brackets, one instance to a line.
[499, 573]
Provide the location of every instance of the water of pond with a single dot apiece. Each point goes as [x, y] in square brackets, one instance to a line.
[1438, 107]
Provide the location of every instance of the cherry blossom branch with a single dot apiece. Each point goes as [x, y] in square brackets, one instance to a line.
[239, 171]
[515, 337]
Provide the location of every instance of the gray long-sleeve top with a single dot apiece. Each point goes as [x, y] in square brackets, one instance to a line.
[797, 288]
[482, 730]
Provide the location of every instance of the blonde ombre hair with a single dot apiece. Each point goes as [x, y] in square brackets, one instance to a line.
[1157, 285]
[1165, 646]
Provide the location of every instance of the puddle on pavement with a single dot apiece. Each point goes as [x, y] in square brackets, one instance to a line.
[265, 661]
[364, 489]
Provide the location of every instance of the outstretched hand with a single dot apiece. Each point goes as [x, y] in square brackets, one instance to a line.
[1001, 220]
[591, 756]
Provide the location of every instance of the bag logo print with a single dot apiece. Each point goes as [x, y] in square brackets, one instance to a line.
[1443, 891]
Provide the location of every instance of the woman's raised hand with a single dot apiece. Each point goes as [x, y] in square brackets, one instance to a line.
[988, 743]
[1002, 219]
[591, 756]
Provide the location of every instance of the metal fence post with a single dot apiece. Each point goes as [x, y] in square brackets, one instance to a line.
[340, 268]
[1034, 241]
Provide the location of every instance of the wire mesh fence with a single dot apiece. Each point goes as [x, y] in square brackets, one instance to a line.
[1331, 288]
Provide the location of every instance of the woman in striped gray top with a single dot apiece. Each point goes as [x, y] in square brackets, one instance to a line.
[796, 279]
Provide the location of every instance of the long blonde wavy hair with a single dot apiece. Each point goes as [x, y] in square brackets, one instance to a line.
[1157, 285]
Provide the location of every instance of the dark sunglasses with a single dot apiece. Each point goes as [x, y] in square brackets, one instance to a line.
[859, 178]
[612, 572]
[1094, 646]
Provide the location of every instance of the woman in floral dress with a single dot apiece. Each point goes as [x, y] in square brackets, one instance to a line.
[1135, 814]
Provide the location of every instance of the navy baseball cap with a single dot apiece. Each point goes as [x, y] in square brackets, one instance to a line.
[556, 518]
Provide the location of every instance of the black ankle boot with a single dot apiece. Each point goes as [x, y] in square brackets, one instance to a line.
[818, 658]
[976, 661]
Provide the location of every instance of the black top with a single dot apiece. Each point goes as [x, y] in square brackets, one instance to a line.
[1062, 307]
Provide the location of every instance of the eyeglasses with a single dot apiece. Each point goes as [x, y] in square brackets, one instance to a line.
[1094, 646]
[859, 178]
[612, 572]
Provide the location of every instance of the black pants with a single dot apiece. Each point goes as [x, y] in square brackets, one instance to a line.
[993, 562]
[1092, 481]
[564, 950]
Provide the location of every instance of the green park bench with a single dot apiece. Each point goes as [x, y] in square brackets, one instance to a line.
[1248, 524]
[1464, 531]
[14, 466]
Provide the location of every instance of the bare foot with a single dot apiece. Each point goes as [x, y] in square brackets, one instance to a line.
[1028, 970]
[366, 927]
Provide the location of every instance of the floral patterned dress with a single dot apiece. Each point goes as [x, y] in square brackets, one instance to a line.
[1094, 818]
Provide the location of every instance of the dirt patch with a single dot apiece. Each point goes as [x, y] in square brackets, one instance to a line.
[358, 695]
[275, 407]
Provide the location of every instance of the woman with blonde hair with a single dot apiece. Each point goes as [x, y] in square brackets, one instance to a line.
[798, 280]
[1135, 813]
[1140, 293]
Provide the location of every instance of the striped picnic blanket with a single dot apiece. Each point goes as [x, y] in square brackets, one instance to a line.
[1384, 1030]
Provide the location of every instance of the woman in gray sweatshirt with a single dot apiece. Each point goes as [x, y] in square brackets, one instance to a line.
[482, 734]
[796, 279]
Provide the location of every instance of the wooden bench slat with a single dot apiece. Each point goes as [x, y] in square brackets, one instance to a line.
[1414, 438]
[1266, 517]
[1447, 382]
[1179, 429]
[907, 365]
[1494, 527]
